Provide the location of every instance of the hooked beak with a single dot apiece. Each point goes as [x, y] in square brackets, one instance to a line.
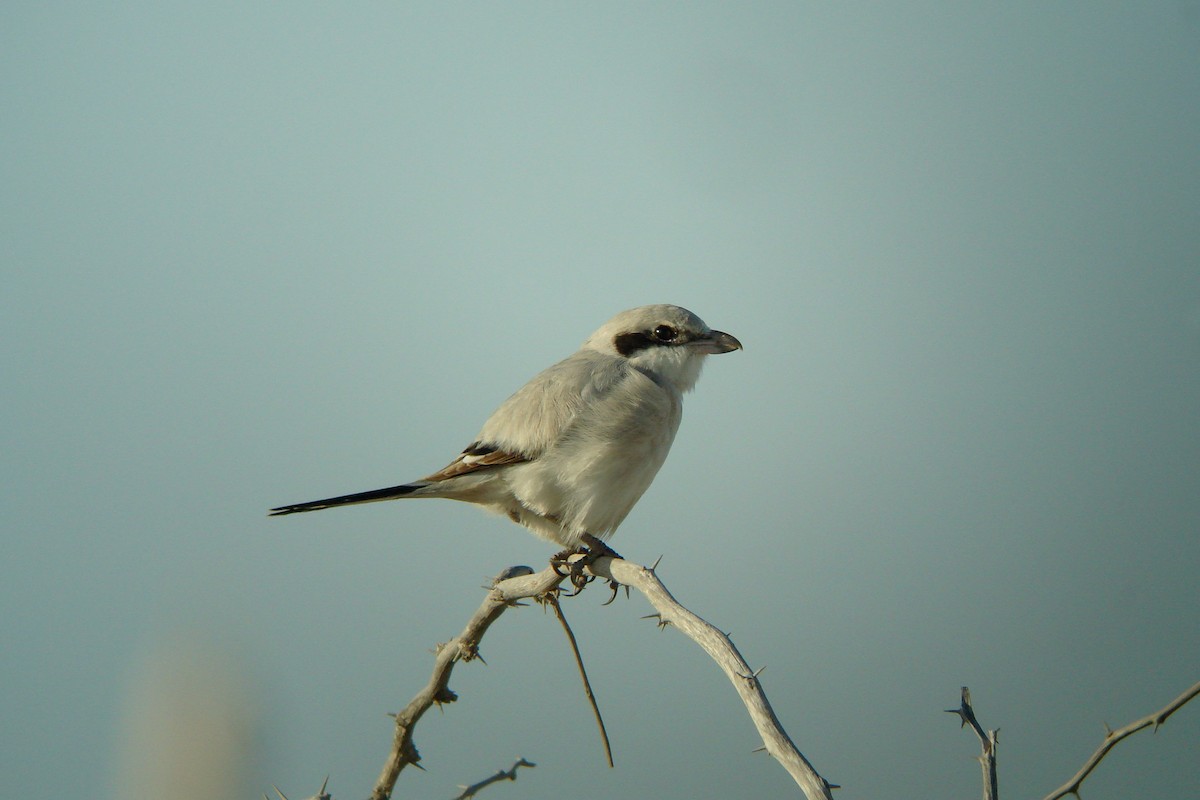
[716, 342]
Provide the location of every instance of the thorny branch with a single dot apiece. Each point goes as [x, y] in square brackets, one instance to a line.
[520, 583]
[320, 795]
[510, 586]
[1111, 738]
[988, 741]
[775, 739]
[502, 775]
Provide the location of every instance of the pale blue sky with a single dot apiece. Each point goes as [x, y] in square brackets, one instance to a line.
[258, 254]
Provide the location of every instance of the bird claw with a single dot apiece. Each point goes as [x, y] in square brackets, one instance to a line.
[571, 563]
[613, 586]
[578, 559]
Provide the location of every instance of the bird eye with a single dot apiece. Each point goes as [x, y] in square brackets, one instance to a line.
[664, 333]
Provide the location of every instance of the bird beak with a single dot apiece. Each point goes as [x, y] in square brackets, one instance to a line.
[716, 342]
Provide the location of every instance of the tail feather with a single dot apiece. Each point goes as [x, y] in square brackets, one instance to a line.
[390, 493]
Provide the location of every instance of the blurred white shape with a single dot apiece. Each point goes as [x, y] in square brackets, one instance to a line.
[190, 724]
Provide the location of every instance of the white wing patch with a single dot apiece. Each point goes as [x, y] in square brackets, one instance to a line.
[475, 458]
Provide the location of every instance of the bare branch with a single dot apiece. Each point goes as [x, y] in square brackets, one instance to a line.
[463, 647]
[721, 649]
[502, 775]
[1112, 737]
[587, 685]
[527, 584]
[988, 742]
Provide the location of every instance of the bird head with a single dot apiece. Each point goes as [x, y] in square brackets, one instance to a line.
[666, 340]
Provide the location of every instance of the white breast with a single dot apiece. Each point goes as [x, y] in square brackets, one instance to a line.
[599, 468]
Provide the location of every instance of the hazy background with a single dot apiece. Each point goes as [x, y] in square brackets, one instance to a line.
[258, 254]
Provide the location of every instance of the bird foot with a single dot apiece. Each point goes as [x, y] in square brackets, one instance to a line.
[576, 560]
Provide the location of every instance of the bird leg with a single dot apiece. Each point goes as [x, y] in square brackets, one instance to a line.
[597, 549]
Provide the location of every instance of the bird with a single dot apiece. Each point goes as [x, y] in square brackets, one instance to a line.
[572, 451]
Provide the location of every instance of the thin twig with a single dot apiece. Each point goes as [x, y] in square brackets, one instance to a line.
[988, 742]
[1112, 737]
[502, 775]
[587, 685]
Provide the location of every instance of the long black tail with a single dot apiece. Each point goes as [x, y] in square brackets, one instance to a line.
[390, 493]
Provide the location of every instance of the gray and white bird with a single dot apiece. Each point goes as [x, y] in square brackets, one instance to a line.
[574, 449]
